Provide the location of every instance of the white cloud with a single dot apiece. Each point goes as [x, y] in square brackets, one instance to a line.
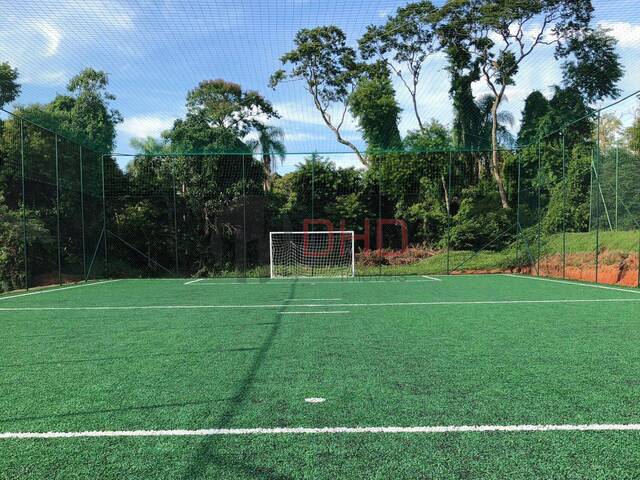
[145, 126]
[627, 34]
[52, 35]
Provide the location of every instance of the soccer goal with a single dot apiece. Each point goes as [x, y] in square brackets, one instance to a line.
[312, 254]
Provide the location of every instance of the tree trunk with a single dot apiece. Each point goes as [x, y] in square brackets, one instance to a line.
[266, 165]
[446, 194]
[495, 161]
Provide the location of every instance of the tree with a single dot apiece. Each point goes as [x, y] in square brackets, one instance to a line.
[609, 130]
[226, 105]
[330, 72]
[9, 87]
[495, 33]
[269, 145]
[632, 134]
[374, 106]
[536, 107]
[404, 43]
[89, 114]
[595, 69]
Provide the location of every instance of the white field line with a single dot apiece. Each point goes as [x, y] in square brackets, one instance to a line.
[432, 278]
[342, 312]
[341, 282]
[194, 281]
[575, 284]
[311, 299]
[320, 305]
[40, 292]
[592, 427]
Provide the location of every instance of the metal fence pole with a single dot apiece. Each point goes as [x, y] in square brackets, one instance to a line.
[104, 219]
[449, 214]
[24, 208]
[244, 218]
[617, 171]
[175, 215]
[539, 210]
[597, 177]
[55, 139]
[564, 206]
[84, 255]
[519, 153]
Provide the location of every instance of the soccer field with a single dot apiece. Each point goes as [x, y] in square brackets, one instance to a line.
[485, 376]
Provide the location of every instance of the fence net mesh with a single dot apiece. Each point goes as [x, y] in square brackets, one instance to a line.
[565, 205]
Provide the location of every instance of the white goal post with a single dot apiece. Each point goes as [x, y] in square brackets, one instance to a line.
[312, 254]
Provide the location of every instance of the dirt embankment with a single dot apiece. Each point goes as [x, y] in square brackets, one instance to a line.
[614, 268]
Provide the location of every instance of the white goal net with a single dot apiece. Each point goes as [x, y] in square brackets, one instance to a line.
[312, 254]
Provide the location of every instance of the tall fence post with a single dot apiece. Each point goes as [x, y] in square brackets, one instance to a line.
[539, 213]
[24, 208]
[84, 253]
[564, 206]
[617, 171]
[104, 219]
[597, 178]
[244, 217]
[518, 233]
[449, 214]
[175, 214]
[55, 140]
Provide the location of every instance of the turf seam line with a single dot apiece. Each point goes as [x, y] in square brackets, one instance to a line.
[577, 284]
[40, 292]
[594, 427]
[312, 305]
[341, 282]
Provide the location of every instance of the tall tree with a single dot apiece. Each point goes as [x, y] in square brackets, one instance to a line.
[536, 107]
[374, 106]
[330, 72]
[270, 146]
[226, 105]
[497, 35]
[90, 115]
[9, 87]
[404, 43]
[594, 67]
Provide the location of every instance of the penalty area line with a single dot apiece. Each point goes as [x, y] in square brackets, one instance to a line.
[193, 281]
[593, 427]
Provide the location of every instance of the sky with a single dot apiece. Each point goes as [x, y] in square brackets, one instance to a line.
[155, 51]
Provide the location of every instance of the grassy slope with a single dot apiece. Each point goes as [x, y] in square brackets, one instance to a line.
[576, 243]
[435, 365]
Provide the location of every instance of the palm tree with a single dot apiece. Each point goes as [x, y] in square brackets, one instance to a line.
[270, 145]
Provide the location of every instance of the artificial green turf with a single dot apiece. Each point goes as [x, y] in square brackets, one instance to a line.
[378, 365]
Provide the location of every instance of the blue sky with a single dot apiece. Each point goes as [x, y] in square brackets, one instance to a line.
[155, 51]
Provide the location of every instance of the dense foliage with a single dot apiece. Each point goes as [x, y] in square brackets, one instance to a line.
[202, 198]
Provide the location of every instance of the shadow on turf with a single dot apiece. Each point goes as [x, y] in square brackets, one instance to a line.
[132, 408]
[207, 452]
[128, 357]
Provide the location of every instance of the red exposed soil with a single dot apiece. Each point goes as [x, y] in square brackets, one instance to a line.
[614, 268]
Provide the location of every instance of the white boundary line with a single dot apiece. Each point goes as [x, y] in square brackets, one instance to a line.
[194, 281]
[58, 289]
[576, 284]
[349, 281]
[432, 278]
[311, 299]
[328, 312]
[310, 305]
[592, 427]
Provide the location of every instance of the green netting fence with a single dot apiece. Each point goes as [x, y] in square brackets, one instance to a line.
[569, 207]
